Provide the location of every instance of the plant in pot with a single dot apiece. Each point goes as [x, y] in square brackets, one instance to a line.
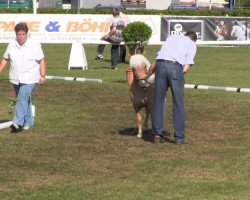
[135, 35]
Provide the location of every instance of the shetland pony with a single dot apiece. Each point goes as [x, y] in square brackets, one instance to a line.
[141, 89]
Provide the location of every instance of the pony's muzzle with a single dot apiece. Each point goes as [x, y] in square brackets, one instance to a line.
[143, 83]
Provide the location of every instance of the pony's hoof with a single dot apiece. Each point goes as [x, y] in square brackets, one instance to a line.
[139, 135]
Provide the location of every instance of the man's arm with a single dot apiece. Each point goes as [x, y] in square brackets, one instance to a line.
[186, 68]
[151, 70]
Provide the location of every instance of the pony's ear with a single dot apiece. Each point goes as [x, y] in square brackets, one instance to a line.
[132, 50]
[129, 55]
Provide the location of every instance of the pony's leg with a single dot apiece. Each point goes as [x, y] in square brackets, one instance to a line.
[145, 125]
[139, 124]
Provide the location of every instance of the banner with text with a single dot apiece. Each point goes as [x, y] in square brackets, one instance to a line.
[48, 28]
[88, 29]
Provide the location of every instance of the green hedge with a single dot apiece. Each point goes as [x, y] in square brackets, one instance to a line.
[237, 12]
[243, 3]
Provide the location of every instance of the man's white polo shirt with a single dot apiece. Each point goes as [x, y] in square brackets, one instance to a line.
[24, 66]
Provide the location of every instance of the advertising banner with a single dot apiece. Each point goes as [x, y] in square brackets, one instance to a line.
[222, 29]
[207, 28]
[88, 29]
[68, 28]
[179, 26]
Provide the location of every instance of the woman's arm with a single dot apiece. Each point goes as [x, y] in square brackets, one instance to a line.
[42, 71]
[3, 64]
[111, 32]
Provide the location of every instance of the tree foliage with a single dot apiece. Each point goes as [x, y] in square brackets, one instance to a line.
[136, 33]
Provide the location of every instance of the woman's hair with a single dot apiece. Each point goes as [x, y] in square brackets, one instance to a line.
[116, 11]
[21, 27]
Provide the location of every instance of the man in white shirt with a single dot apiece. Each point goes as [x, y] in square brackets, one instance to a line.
[172, 62]
[27, 68]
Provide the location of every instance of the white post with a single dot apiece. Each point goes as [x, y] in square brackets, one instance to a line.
[34, 2]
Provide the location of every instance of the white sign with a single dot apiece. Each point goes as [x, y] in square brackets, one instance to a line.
[87, 29]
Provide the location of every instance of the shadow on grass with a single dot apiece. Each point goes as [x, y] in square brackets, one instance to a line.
[109, 61]
[119, 62]
[147, 134]
[108, 68]
[105, 67]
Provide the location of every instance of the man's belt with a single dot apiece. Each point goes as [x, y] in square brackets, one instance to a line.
[167, 61]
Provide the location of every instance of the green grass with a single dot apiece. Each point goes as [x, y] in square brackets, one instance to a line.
[81, 146]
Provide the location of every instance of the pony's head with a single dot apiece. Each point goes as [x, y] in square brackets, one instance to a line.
[140, 72]
[140, 66]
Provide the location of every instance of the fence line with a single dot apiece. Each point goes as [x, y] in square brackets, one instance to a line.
[74, 79]
[207, 87]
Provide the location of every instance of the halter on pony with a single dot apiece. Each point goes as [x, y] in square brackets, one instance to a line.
[140, 79]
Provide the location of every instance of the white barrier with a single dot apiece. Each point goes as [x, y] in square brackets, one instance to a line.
[207, 87]
[5, 125]
[74, 79]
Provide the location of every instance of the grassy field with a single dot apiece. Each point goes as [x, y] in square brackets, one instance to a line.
[82, 148]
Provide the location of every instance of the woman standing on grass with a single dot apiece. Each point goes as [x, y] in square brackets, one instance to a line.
[27, 68]
[115, 37]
